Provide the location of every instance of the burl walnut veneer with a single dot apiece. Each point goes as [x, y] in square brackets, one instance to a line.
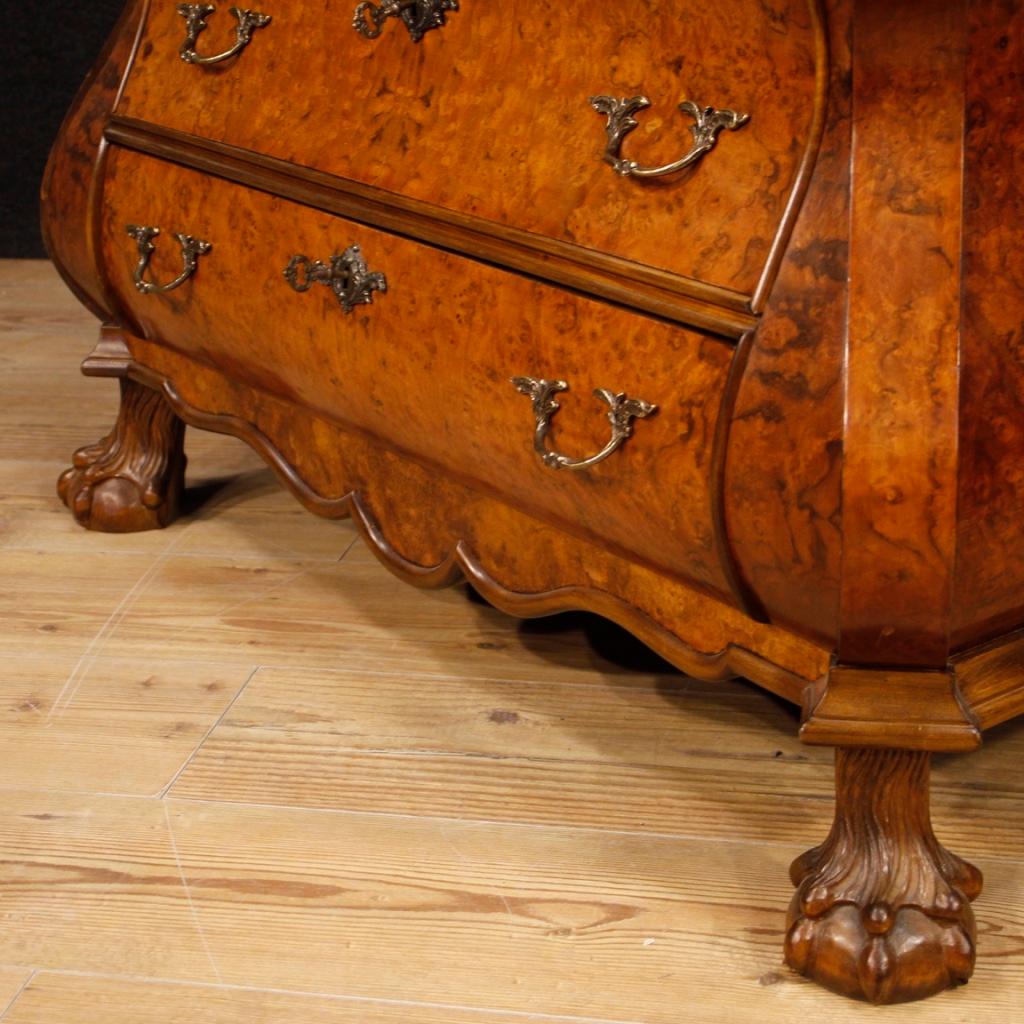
[706, 317]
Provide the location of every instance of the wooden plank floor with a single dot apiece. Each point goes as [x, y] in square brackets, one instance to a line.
[249, 778]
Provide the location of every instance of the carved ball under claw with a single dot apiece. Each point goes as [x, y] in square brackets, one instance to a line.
[115, 504]
[882, 910]
[133, 478]
[881, 954]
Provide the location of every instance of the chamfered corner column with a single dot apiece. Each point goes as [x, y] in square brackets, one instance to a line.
[133, 478]
[882, 911]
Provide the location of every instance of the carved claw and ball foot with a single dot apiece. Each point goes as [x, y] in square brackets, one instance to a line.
[133, 478]
[882, 910]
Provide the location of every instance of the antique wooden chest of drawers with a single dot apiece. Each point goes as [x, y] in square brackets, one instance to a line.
[497, 281]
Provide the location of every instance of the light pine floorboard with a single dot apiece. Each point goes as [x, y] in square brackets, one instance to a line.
[106, 725]
[250, 777]
[12, 982]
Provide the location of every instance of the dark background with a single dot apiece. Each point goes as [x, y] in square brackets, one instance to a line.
[47, 50]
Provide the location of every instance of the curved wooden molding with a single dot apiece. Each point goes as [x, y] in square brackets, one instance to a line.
[461, 563]
[991, 679]
[802, 181]
[71, 200]
[742, 592]
[729, 662]
[847, 707]
[721, 311]
[879, 707]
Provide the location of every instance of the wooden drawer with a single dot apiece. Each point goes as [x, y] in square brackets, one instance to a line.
[489, 116]
[426, 367]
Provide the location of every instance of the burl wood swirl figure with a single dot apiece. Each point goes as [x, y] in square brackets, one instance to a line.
[706, 317]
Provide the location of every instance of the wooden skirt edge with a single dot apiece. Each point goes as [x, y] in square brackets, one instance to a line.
[696, 632]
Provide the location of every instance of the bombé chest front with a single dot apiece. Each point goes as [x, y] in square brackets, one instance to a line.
[488, 116]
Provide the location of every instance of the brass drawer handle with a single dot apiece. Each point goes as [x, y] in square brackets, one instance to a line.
[347, 275]
[191, 250]
[708, 122]
[418, 16]
[196, 14]
[621, 412]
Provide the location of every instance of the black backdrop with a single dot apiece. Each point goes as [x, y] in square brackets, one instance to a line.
[47, 49]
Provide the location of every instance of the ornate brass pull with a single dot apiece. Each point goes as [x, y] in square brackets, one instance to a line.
[196, 14]
[708, 122]
[622, 410]
[418, 16]
[191, 250]
[347, 275]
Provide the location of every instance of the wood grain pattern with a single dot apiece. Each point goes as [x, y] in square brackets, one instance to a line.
[91, 885]
[882, 910]
[566, 573]
[781, 495]
[900, 447]
[379, 907]
[545, 919]
[534, 158]
[695, 759]
[721, 311]
[427, 367]
[505, 750]
[279, 610]
[12, 981]
[131, 479]
[987, 598]
[917, 710]
[77, 999]
[881, 704]
[107, 725]
[267, 519]
[783, 469]
[832, 435]
[991, 679]
[72, 183]
[504, 717]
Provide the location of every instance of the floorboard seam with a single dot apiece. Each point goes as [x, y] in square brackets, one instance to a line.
[115, 550]
[81, 670]
[341, 997]
[209, 732]
[796, 844]
[193, 910]
[17, 995]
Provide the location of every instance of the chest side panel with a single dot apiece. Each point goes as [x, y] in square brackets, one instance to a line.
[990, 542]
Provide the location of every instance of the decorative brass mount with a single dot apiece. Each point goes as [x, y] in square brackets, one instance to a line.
[347, 275]
[195, 16]
[708, 122]
[191, 249]
[621, 412]
[418, 16]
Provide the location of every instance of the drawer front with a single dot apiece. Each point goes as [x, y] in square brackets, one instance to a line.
[427, 365]
[490, 114]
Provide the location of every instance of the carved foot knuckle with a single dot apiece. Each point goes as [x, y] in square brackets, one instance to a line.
[132, 479]
[881, 953]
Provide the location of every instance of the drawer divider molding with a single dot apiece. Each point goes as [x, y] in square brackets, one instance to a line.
[710, 308]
